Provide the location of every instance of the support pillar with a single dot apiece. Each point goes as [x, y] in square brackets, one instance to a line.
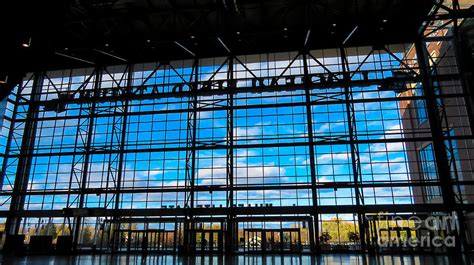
[85, 166]
[188, 226]
[437, 132]
[355, 160]
[230, 233]
[314, 233]
[25, 160]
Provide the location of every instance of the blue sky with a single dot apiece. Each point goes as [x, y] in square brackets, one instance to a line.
[253, 166]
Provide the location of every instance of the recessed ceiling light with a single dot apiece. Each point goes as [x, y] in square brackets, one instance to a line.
[384, 21]
[238, 33]
[285, 29]
[192, 36]
[148, 41]
[106, 45]
[334, 25]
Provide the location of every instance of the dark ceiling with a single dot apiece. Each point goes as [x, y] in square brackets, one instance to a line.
[146, 30]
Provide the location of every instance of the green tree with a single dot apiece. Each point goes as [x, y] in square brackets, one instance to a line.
[325, 237]
[338, 229]
[49, 229]
[87, 235]
[353, 236]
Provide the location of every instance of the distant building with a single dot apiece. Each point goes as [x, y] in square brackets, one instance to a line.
[421, 157]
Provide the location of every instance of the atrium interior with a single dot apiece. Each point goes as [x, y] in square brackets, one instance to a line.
[332, 128]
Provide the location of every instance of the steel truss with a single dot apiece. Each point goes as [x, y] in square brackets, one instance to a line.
[114, 104]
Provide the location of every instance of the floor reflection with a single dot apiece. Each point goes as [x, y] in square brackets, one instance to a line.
[333, 259]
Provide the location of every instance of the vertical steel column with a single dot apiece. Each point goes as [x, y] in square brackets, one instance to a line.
[7, 148]
[465, 73]
[230, 233]
[437, 132]
[355, 161]
[442, 162]
[85, 166]
[79, 150]
[25, 159]
[314, 237]
[10, 136]
[191, 161]
[125, 104]
[467, 84]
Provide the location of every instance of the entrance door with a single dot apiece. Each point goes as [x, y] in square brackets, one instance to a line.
[253, 240]
[272, 240]
[135, 240]
[291, 240]
[209, 241]
[162, 241]
[157, 241]
[295, 241]
[150, 241]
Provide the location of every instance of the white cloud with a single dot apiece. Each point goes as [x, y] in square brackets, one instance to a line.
[203, 115]
[245, 132]
[387, 147]
[334, 156]
[394, 132]
[328, 126]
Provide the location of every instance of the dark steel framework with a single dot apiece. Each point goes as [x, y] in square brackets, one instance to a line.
[241, 143]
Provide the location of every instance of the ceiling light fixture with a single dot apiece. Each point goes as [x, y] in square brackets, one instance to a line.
[307, 37]
[350, 35]
[223, 44]
[3, 79]
[285, 29]
[184, 48]
[74, 58]
[27, 44]
[111, 55]
[384, 21]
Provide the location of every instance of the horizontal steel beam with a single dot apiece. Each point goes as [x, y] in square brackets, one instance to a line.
[234, 90]
[252, 211]
[206, 188]
[317, 141]
[253, 106]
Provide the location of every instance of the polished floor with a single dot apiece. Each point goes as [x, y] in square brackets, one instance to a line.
[333, 259]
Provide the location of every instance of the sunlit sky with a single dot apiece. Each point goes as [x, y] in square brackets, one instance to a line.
[283, 165]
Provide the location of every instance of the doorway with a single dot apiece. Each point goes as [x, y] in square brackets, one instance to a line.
[149, 241]
[286, 240]
[208, 241]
